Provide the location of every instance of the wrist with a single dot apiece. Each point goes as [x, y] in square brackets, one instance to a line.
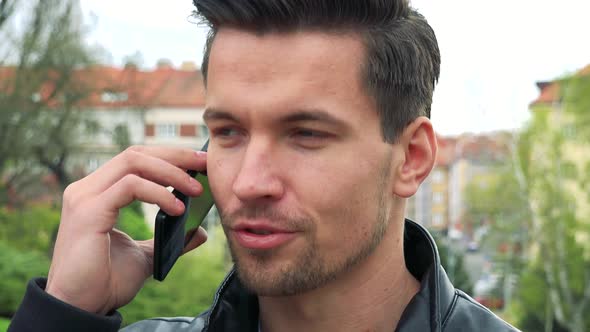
[75, 302]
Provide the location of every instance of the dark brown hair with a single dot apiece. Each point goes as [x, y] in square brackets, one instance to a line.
[402, 62]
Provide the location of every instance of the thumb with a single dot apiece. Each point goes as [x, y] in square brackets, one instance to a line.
[147, 247]
[198, 237]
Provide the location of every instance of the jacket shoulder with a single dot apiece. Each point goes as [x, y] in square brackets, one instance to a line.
[466, 314]
[163, 324]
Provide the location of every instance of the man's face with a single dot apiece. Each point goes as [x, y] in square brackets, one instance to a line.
[296, 161]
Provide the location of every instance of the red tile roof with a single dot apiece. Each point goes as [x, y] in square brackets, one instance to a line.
[130, 87]
[491, 147]
[549, 91]
[446, 151]
[163, 87]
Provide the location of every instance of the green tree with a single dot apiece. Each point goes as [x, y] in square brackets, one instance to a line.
[496, 204]
[40, 92]
[453, 262]
[132, 222]
[552, 170]
[536, 206]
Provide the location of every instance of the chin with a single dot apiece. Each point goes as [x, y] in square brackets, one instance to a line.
[270, 275]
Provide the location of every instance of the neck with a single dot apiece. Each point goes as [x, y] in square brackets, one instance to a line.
[370, 297]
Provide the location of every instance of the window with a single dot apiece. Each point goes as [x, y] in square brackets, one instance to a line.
[437, 197]
[93, 164]
[437, 220]
[569, 131]
[437, 176]
[166, 130]
[203, 131]
[114, 97]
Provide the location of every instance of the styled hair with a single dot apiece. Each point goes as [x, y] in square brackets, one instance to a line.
[402, 59]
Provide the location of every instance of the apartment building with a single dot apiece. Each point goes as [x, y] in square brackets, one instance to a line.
[554, 100]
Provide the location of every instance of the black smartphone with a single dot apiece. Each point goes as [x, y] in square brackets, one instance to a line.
[173, 233]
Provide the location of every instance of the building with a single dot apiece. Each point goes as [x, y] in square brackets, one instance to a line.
[440, 203]
[128, 106]
[556, 102]
[158, 107]
[429, 206]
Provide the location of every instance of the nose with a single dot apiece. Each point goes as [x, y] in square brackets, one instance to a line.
[258, 178]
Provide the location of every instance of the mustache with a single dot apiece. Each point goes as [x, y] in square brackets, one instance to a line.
[284, 218]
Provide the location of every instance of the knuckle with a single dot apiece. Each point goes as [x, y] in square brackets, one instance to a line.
[135, 149]
[129, 181]
[71, 194]
[131, 154]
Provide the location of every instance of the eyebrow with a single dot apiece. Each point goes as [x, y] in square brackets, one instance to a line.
[216, 114]
[313, 115]
[302, 115]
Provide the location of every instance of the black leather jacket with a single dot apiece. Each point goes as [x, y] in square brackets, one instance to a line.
[437, 307]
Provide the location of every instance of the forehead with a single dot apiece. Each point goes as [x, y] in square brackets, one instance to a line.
[278, 68]
[234, 47]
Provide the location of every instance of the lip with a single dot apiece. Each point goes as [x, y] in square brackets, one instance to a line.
[277, 237]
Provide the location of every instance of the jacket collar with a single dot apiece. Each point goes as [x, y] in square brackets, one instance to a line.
[235, 309]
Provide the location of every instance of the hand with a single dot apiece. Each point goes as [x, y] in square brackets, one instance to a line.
[96, 267]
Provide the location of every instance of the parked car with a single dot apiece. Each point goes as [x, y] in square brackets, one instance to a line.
[488, 291]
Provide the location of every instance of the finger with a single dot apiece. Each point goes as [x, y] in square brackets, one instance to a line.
[198, 238]
[167, 172]
[131, 188]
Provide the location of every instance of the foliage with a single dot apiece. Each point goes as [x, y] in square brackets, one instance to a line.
[536, 209]
[26, 242]
[498, 208]
[31, 229]
[132, 222]
[39, 93]
[553, 164]
[533, 304]
[4, 324]
[16, 268]
[453, 262]
[189, 288]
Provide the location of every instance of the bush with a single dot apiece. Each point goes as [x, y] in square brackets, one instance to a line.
[16, 268]
[132, 222]
[4, 324]
[33, 229]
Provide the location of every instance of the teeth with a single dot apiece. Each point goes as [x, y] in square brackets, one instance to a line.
[259, 232]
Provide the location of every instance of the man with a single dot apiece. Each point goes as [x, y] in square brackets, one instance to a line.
[319, 132]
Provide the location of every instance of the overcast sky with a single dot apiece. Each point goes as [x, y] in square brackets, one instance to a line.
[493, 52]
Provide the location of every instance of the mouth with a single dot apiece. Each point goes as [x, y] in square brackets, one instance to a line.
[257, 231]
[261, 236]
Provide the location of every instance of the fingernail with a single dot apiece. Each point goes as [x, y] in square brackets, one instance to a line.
[194, 183]
[179, 203]
[201, 154]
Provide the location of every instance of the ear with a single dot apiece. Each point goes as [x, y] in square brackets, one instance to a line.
[419, 146]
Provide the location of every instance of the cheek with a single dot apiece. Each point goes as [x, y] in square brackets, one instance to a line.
[220, 177]
[344, 202]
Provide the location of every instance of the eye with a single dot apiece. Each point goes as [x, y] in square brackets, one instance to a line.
[228, 136]
[309, 134]
[309, 138]
[226, 132]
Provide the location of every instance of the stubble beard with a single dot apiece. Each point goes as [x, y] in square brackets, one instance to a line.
[262, 275]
